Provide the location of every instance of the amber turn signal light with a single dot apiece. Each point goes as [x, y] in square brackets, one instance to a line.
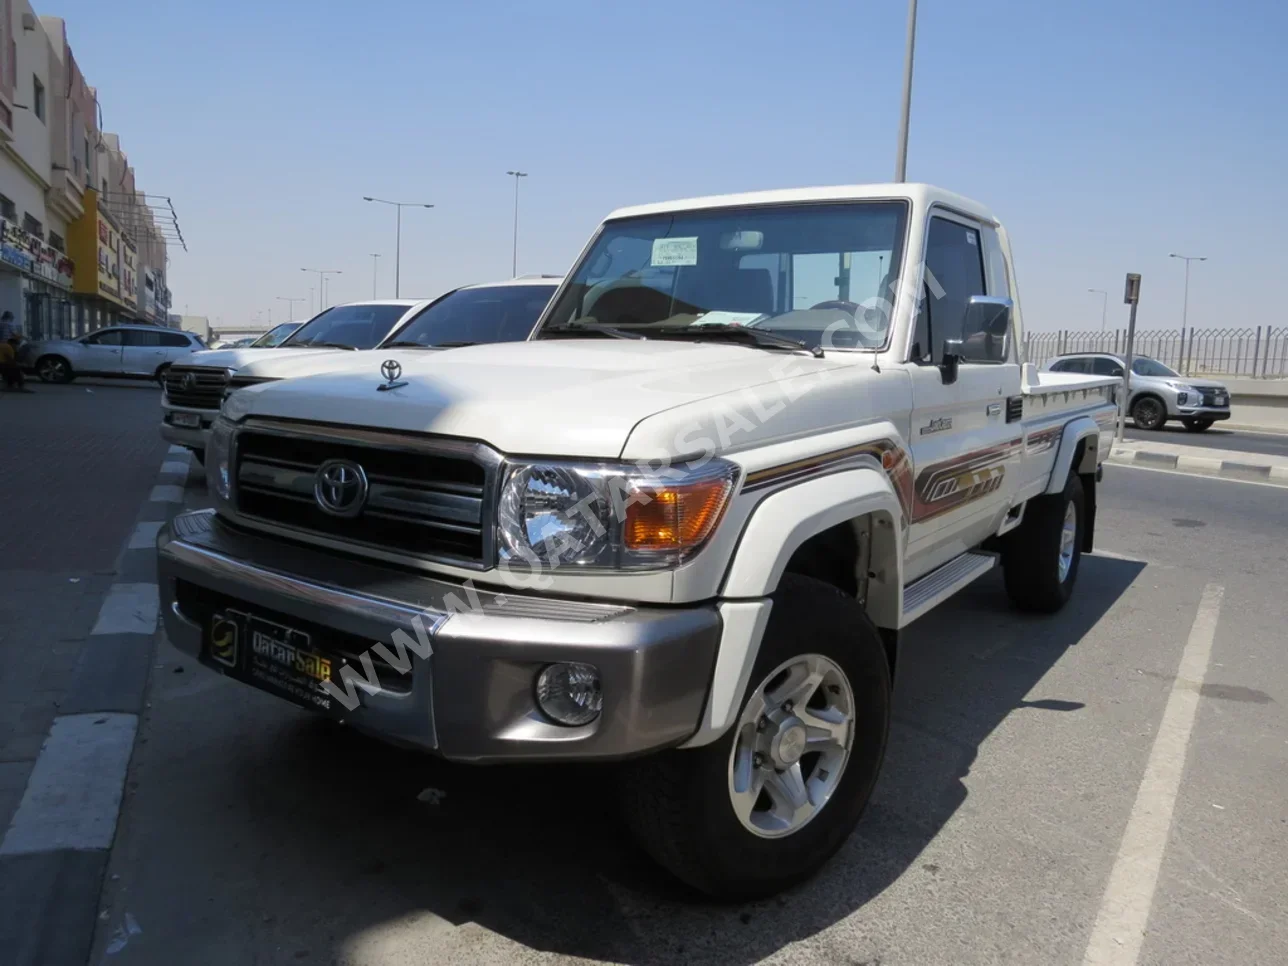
[677, 517]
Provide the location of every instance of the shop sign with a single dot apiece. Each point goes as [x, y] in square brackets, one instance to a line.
[25, 251]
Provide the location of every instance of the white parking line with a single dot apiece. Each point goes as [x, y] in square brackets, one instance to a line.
[1120, 925]
[166, 493]
[1211, 479]
[144, 536]
[129, 609]
[74, 793]
[178, 451]
[175, 468]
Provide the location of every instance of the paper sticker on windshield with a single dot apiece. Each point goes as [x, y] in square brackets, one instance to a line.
[726, 318]
[674, 251]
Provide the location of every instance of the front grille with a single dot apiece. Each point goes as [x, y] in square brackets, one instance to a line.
[424, 497]
[196, 388]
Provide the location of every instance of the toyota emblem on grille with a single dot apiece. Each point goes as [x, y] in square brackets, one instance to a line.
[189, 381]
[391, 369]
[340, 488]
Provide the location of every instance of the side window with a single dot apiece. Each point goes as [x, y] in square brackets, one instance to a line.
[1106, 367]
[954, 272]
[110, 337]
[174, 340]
[1074, 365]
[137, 337]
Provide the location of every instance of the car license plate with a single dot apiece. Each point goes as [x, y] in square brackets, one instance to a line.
[186, 420]
[270, 656]
[1221, 399]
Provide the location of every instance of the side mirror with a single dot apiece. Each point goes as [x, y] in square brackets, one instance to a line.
[986, 329]
[1118, 371]
[949, 359]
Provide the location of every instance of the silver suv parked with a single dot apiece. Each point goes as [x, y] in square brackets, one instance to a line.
[127, 351]
[1158, 393]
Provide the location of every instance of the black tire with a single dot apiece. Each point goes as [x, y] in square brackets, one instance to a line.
[54, 369]
[1031, 553]
[159, 375]
[1148, 412]
[199, 455]
[1198, 425]
[678, 802]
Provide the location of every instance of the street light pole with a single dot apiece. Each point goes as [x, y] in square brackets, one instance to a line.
[375, 256]
[290, 306]
[1104, 304]
[322, 273]
[1185, 302]
[514, 258]
[400, 205]
[901, 159]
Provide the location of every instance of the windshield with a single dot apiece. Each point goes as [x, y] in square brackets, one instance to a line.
[820, 274]
[357, 326]
[275, 335]
[1145, 366]
[493, 313]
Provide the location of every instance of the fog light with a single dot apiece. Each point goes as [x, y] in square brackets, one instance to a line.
[570, 693]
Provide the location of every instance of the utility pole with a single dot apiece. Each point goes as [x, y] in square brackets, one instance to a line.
[1131, 296]
[322, 273]
[901, 159]
[290, 303]
[1104, 304]
[375, 260]
[514, 258]
[1185, 303]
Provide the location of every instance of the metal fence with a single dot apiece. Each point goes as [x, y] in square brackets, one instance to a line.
[1258, 353]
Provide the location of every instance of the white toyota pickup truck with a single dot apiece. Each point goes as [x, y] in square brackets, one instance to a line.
[680, 528]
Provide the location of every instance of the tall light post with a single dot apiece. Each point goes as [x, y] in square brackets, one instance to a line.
[901, 159]
[1104, 304]
[514, 258]
[322, 273]
[1185, 303]
[375, 260]
[290, 306]
[399, 205]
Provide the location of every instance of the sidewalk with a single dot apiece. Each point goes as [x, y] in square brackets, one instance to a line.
[1203, 461]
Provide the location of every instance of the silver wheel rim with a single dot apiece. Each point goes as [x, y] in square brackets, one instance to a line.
[51, 370]
[791, 746]
[1068, 538]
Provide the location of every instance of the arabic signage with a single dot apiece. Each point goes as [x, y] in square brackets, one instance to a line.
[109, 260]
[29, 254]
[129, 269]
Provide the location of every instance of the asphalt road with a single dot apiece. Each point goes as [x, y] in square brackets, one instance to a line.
[1272, 444]
[1024, 794]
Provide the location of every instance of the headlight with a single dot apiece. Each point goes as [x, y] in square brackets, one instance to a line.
[218, 459]
[609, 515]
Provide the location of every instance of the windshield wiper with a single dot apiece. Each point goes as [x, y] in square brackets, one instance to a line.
[757, 337]
[325, 345]
[582, 327]
[406, 344]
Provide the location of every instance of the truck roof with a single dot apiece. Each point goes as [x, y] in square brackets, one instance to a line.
[924, 194]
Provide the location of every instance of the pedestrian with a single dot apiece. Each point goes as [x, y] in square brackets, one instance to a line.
[9, 340]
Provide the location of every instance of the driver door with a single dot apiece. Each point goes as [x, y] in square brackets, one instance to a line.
[101, 352]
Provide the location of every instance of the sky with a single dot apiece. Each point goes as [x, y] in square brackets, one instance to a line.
[1104, 134]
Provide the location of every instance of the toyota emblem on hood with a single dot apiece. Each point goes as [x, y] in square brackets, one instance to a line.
[391, 369]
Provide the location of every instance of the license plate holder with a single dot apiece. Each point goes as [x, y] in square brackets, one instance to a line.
[273, 657]
[1220, 399]
[185, 420]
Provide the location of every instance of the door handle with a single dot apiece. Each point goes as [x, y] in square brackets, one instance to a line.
[994, 408]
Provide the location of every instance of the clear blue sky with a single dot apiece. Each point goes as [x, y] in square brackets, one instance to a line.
[1104, 134]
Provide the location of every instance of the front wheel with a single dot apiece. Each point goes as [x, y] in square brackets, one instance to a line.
[1198, 425]
[159, 375]
[1040, 557]
[768, 804]
[1148, 413]
[54, 369]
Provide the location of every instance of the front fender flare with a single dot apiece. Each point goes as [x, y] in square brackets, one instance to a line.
[1075, 431]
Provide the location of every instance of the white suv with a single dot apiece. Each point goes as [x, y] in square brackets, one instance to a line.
[118, 351]
[1158, 392]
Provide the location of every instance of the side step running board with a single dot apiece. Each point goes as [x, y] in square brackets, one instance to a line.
[942, 582]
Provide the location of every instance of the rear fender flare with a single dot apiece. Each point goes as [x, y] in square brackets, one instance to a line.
[1084, 427]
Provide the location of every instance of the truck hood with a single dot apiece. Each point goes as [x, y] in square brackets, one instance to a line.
[288, 364]
[557, 397]
[236, 358]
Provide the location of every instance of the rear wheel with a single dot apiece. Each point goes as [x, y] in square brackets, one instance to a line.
[1148, 412]
[1040, 558]
[771, 801]
[1198, 425]
[54, 369]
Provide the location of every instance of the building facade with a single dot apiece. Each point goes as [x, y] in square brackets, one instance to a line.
[79, 246]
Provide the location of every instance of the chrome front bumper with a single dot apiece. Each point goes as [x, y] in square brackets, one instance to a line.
[473, 698]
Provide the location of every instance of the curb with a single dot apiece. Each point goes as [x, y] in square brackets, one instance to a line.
[1238, 469]
[54, 854]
